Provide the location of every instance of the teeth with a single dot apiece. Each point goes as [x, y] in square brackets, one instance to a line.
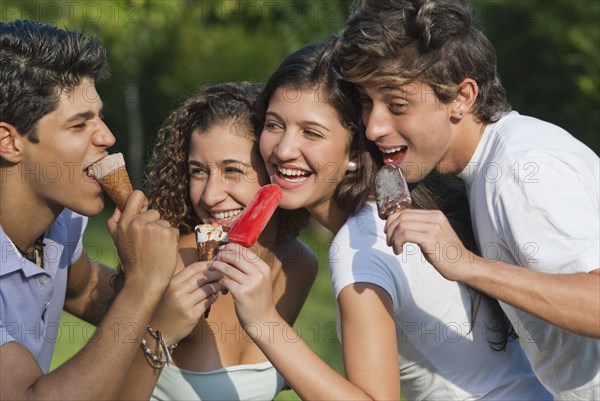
[295, 179]
[226, 215]
[393, 150]
[293, 173]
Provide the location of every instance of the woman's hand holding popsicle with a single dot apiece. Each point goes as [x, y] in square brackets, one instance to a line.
[248, 278]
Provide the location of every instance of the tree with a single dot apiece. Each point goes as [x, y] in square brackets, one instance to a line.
[548, 60]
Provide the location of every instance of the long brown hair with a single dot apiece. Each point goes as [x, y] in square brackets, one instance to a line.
[315, 67]
[167, 172]
[447, 194]
[167, 175]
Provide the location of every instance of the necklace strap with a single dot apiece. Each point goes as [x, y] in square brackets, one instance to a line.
[36, 254]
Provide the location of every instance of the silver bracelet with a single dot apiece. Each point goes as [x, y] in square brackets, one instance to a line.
[166, 349]
[157, 362]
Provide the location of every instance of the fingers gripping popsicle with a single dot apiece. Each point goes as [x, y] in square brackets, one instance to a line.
[392, 191]
[112, 175]
[253, 220]
[246, 229]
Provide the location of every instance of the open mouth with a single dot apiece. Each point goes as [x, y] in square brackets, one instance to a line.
[393, 155]
[292, 174]
[86, 169]
[87, 176]
[226, 215]
[225, 218]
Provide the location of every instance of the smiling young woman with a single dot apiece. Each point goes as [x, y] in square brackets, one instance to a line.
[205, 168]
[388, 306]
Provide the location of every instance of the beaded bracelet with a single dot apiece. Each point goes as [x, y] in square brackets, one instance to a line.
[165, 348]
[155, 361]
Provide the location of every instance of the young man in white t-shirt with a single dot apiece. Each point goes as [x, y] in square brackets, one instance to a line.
[432, 100]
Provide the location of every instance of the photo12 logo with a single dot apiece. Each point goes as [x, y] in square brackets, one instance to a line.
[71, 11]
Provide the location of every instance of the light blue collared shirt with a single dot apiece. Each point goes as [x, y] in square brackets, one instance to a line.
[32, 298]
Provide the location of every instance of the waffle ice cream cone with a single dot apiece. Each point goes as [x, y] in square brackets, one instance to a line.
[208, 250]
[209, 237]
[113, 178]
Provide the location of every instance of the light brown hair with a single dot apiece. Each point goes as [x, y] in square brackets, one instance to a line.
[435, 42]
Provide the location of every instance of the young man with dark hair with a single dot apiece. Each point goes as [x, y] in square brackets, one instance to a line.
[51, 130]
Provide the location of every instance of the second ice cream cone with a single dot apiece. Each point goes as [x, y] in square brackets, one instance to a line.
[208, 240]
[208, 250]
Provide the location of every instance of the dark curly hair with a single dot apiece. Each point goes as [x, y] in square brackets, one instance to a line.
[167, 176]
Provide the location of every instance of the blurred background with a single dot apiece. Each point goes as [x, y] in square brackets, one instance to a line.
[162, 51]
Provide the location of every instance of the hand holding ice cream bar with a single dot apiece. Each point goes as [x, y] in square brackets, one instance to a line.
[112, 175]
[392, 191]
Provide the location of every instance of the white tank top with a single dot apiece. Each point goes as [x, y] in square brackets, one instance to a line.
[258, 381]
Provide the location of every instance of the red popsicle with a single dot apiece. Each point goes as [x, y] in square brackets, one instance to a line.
[247, 228]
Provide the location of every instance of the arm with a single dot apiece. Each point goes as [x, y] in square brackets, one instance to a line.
[89, 293]
[192, 291]
[569, 301]
[92, 373]
[250, 285]
[96, 372]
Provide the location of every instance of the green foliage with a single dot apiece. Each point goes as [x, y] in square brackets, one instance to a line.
[548, 59]
[548, 52]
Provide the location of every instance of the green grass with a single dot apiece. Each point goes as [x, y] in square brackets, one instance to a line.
[316, 323]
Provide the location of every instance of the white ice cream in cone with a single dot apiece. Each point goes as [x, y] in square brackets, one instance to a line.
[209, 237]
[113, 178]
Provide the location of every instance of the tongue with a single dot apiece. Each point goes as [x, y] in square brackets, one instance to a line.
[394, 158]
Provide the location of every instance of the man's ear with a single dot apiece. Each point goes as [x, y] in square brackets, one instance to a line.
[10, 143]
[467, 94]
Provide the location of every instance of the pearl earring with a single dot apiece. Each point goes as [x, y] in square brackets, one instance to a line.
[352, 166]
[460, 114]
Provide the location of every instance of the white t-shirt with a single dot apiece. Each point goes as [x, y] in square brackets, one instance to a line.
[440, 357]
[533, 191]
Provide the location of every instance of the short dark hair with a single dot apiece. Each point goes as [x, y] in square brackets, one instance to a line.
[315, 67]
[37, 62]
[436, 42]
